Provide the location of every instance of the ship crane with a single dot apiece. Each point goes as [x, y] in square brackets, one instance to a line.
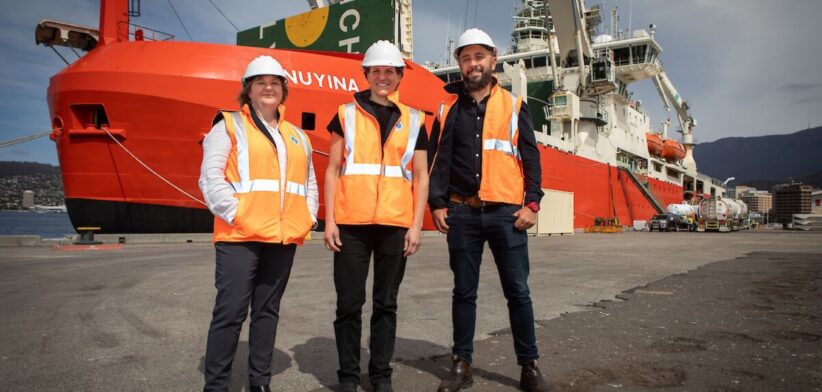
[572, 26]
[670, 97]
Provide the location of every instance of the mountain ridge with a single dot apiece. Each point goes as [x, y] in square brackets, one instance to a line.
[771, 158]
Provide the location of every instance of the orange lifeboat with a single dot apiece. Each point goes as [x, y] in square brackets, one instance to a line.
[673, 150]
[655, 145]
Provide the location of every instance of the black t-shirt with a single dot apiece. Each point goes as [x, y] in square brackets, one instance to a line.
[386, 116]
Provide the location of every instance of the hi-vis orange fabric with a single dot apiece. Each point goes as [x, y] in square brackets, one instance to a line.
[254, 172]
[375, 186]
[502, 176]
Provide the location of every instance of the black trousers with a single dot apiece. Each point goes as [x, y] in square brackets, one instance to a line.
[246, 272]
[350, 274]
[469, 230]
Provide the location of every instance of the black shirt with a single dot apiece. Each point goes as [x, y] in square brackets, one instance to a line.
[386, 116]
[457, 165]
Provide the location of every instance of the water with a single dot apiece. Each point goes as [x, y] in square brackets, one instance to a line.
[46, 225]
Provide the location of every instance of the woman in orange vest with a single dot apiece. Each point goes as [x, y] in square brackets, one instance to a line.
[376, 188]
[258, 179]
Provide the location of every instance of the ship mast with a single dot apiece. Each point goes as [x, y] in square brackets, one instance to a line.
[114, 19]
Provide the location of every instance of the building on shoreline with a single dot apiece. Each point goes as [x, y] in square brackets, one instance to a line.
[790, 199]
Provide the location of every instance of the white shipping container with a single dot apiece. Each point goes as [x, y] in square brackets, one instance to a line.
[556, 214]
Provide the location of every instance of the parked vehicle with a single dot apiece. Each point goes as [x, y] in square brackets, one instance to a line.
[685, 211]
[667, 222]
[722, 214]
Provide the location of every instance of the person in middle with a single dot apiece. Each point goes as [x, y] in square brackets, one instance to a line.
[376, 188]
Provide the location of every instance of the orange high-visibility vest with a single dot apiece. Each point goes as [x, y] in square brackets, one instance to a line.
[502, 176]
[253, 170]
[375, 185]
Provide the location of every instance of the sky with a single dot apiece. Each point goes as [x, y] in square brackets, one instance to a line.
[745, 67]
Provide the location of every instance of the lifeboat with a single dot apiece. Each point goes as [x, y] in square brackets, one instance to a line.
[655, 145]
[673, 150]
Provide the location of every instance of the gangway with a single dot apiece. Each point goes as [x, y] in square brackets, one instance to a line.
[645, 191]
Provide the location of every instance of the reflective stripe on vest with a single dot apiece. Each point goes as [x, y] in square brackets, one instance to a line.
[502, 174]
[242, 152]
[376, 183]
[246, 184]
[507, 146]
[374, 169]
[272, 205]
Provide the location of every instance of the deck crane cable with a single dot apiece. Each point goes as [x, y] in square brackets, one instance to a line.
[9, 143]
[224, 15]
[150, 169]
[181, 20]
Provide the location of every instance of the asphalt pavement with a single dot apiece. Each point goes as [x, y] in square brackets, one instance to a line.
[625, 312]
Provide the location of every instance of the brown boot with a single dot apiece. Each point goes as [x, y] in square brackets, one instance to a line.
[459, 378]
[531, 379]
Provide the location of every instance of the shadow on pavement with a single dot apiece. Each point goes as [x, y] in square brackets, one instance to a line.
[280, 361]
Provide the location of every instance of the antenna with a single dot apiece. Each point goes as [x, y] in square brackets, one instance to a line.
[476, 7]
[630, 17]
[614, 22]
[448, 41]
[465, 17]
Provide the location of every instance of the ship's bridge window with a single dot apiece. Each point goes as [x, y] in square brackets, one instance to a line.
[622, 56]
[560, 101]
[540, 61]
[528, 64]
[443, 77]
[652, 54]
[639, 52]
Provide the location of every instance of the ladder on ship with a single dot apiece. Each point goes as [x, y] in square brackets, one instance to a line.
[644, 189]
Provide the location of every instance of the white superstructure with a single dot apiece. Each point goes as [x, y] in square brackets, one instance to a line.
[588, 106]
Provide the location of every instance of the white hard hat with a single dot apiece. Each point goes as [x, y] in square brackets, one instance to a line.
[264, 65]
[474, 37]
[383, 53]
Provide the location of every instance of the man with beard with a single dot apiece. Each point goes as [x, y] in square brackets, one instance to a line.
[485, 186]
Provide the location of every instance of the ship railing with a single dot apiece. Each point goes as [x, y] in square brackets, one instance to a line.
[143, 33]
[528, 22]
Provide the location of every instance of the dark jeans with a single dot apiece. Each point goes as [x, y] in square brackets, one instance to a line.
[350, 274]
[469, 229]
[246, 272]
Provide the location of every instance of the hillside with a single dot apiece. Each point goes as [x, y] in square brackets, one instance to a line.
[14, 168]
[42, 179]
[773, 158]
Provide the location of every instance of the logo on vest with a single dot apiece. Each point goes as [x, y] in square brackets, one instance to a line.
[294, 139]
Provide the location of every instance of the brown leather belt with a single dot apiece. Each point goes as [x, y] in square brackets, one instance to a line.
[473, 200]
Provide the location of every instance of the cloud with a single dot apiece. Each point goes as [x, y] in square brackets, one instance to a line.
[800, 87]
[746, 68]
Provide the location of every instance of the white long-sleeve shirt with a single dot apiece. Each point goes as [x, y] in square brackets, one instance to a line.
[218, 193]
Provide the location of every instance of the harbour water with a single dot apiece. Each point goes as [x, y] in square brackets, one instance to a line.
[46, 224]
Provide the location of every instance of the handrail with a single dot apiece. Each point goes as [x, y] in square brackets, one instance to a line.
[645, 191]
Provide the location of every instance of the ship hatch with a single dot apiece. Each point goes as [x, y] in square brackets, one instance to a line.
[92, 120]
[90, 116]
[308, 121]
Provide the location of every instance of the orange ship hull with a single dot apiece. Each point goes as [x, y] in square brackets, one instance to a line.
[158, 100]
